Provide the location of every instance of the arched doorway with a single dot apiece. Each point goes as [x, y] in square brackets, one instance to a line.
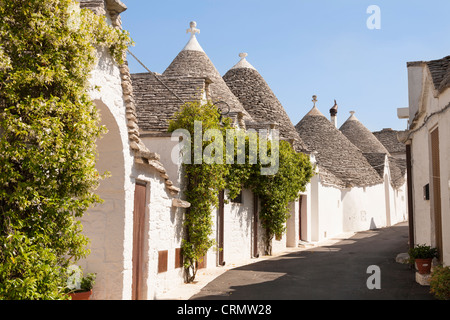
[104, 224]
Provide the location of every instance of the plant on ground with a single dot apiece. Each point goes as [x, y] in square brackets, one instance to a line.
[48, 129]
[440, 282]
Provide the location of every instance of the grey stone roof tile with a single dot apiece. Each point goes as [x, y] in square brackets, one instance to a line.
[388, 138]
[156, 105]
[260, 102]
[190, 63]
[335, 153]
[362, 137]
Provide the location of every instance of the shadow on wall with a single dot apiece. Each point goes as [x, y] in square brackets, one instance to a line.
[105, 224]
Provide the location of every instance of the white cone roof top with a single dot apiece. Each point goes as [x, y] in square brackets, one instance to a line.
[352, 116]
[243, 63]
[193, 44]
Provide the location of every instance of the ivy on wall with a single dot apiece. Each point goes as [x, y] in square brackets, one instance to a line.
[203, 183]
[205, 180]
[48, 129]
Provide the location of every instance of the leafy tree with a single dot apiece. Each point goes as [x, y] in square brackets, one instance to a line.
[48, 131]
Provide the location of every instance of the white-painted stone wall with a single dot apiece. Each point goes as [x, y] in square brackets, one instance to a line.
[423, 97]
[238, 229]
[330, 211]
[164, 231]
[169, 150]
[109, 225]
[364, 208]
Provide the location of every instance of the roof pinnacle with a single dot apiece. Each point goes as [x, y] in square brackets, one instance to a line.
[243, 63]
[314, 100]
[243, 55]
[193, 43]
[193, 29]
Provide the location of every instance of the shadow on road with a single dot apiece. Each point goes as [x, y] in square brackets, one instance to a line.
[338, 271]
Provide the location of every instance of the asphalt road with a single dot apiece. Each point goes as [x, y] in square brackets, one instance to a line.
[336, 272]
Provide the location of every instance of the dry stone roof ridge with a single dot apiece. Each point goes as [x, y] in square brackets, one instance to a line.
[100, 7]
[377, 161]
[156, 105]
[97, 6]
[439, 70]
[388, 137]
[374, 151]
[258, 99]
[398, 172]
[362, 137]
[335, 152]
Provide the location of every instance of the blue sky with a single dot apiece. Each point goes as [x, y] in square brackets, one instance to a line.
[303, 47]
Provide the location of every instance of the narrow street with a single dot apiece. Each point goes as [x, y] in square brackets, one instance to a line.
[331, 272]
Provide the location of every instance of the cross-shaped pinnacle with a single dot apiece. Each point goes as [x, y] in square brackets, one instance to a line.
[314, 100]
[193, 29]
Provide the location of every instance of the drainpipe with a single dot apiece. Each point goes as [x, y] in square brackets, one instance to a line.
[410, 195]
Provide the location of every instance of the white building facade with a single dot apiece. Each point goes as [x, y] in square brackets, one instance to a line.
[428, 141]
[136, 234]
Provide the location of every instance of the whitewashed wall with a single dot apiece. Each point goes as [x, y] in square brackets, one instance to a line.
[238, 227]
[109, 225]
[364, 208]
[426, 99]
[331, 211]
[164, 231]
[323, 217]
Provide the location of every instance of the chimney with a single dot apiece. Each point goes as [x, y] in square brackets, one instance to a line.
[333, 114]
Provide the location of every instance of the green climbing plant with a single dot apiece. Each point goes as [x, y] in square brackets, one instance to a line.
[48, 130]
[276, 191]
[240, 168]
[203, 180]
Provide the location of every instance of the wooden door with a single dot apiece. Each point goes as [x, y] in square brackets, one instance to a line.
[302, 217]
[138, 239]
[436, 183]
[255, 226]
[221, 228]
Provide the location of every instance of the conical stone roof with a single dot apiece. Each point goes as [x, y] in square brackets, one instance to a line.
[374, 151]
[335, 153]
[361, 137]
[388, 138]
[259, 101]
[192, 61]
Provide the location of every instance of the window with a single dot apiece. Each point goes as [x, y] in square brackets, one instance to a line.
[238, 199]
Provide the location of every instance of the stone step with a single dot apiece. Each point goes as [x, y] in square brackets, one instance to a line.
[305, 244]
[423, 279]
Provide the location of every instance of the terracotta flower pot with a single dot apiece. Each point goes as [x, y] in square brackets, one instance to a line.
[423, 265]
[86, 295]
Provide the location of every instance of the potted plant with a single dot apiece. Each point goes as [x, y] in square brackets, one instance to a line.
[423, 256]
[79, 286]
